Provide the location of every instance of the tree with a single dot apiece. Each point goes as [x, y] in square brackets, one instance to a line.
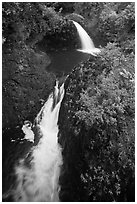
[99, 105]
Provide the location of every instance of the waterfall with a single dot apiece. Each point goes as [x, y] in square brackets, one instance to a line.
[86, 42]
[38, 173]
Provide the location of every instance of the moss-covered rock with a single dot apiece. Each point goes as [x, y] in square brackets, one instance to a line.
[97, 133]
[25, 83]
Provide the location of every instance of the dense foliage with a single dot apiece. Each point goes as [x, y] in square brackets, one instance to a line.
[97, 113]
[98, 146]
[31, 22]
[25, 79]
[27, 20]
[99, 142]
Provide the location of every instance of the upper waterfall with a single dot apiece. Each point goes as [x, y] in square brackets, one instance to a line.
[86, 42]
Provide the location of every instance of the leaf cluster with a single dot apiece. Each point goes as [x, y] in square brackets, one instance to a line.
[100, 118]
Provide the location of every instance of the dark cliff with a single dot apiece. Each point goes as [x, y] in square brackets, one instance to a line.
[97, 133]
[97, 113]
[30, 30]
[25, 83]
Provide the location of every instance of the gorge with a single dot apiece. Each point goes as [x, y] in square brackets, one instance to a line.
[68, 109]
[45, 158]
[39, 181]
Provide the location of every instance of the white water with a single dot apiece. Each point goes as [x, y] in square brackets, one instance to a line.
[29, 134]
[39, 181]
[86, 42]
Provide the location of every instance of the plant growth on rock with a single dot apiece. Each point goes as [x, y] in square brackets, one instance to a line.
[98, 146]
[97, 113]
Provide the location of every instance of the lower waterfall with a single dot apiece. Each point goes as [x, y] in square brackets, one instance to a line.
[37, 179]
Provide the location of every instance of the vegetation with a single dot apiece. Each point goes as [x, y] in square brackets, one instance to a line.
[98, 112]
[24, 73]
[98, 147]
[99, 143]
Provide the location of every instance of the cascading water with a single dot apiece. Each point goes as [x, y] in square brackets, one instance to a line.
[38, 173]
[86, 42]
[38, 180]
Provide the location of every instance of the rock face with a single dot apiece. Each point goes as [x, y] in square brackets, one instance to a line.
[95, 139]
[73, 139]
[25, 83]
[29, 30]
[61, 39]
[97, 113]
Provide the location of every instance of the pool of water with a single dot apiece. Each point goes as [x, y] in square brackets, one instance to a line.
[62, 62]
